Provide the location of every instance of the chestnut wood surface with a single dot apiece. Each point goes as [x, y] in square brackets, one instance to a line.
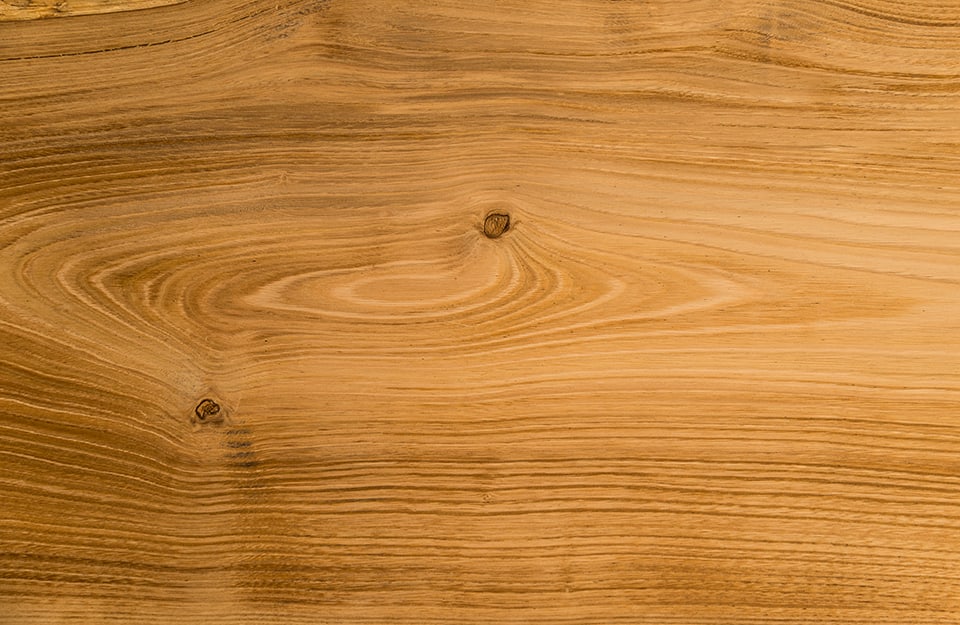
[445, 312]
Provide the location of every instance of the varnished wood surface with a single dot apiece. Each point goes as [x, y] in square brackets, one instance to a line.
[264, 359]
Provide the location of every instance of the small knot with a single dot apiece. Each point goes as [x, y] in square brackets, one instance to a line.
[495, 225]
[208, 411]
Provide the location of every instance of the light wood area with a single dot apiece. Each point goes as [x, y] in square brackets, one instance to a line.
[447, 312]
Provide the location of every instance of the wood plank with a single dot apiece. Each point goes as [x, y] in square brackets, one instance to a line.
[517, 312]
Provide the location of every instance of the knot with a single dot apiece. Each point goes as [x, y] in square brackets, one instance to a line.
[208, 411]
[495, 225]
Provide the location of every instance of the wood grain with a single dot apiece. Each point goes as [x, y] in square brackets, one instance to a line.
[11, 10]
[444, 312]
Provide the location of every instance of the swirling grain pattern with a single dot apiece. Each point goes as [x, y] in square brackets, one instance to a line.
[384, 312]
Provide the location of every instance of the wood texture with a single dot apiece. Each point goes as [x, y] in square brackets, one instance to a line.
[265, 359]
[11, 10]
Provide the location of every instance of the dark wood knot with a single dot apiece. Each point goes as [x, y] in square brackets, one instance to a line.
[208, 411]
[495, 225]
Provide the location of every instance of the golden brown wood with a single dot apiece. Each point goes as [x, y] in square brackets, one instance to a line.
[265, 357]
[38, 9]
